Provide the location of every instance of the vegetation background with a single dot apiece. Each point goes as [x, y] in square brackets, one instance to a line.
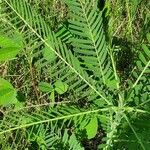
[58, 100]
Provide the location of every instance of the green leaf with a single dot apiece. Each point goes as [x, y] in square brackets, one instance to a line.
[7, 93]
[65, 136]
[45, 87]
[111, 83]
[148, 37]
[146, 50]
[92, 127]
[49, 55]
[52, 96]
[60, 87]
[9, 48]
[19, 105]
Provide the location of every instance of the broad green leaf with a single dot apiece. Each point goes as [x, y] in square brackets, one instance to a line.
[9, 47]
[45, 87]
[111, 83]
[92, 127]
[7, 93]
[49, 55]
[99, 102]
[60, 87]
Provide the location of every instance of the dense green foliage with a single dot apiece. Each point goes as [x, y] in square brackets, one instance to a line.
[75, 75]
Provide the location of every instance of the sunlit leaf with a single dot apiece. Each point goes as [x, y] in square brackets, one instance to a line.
[9, 47]
[92, 127]
[60, 87]
[7, 93]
